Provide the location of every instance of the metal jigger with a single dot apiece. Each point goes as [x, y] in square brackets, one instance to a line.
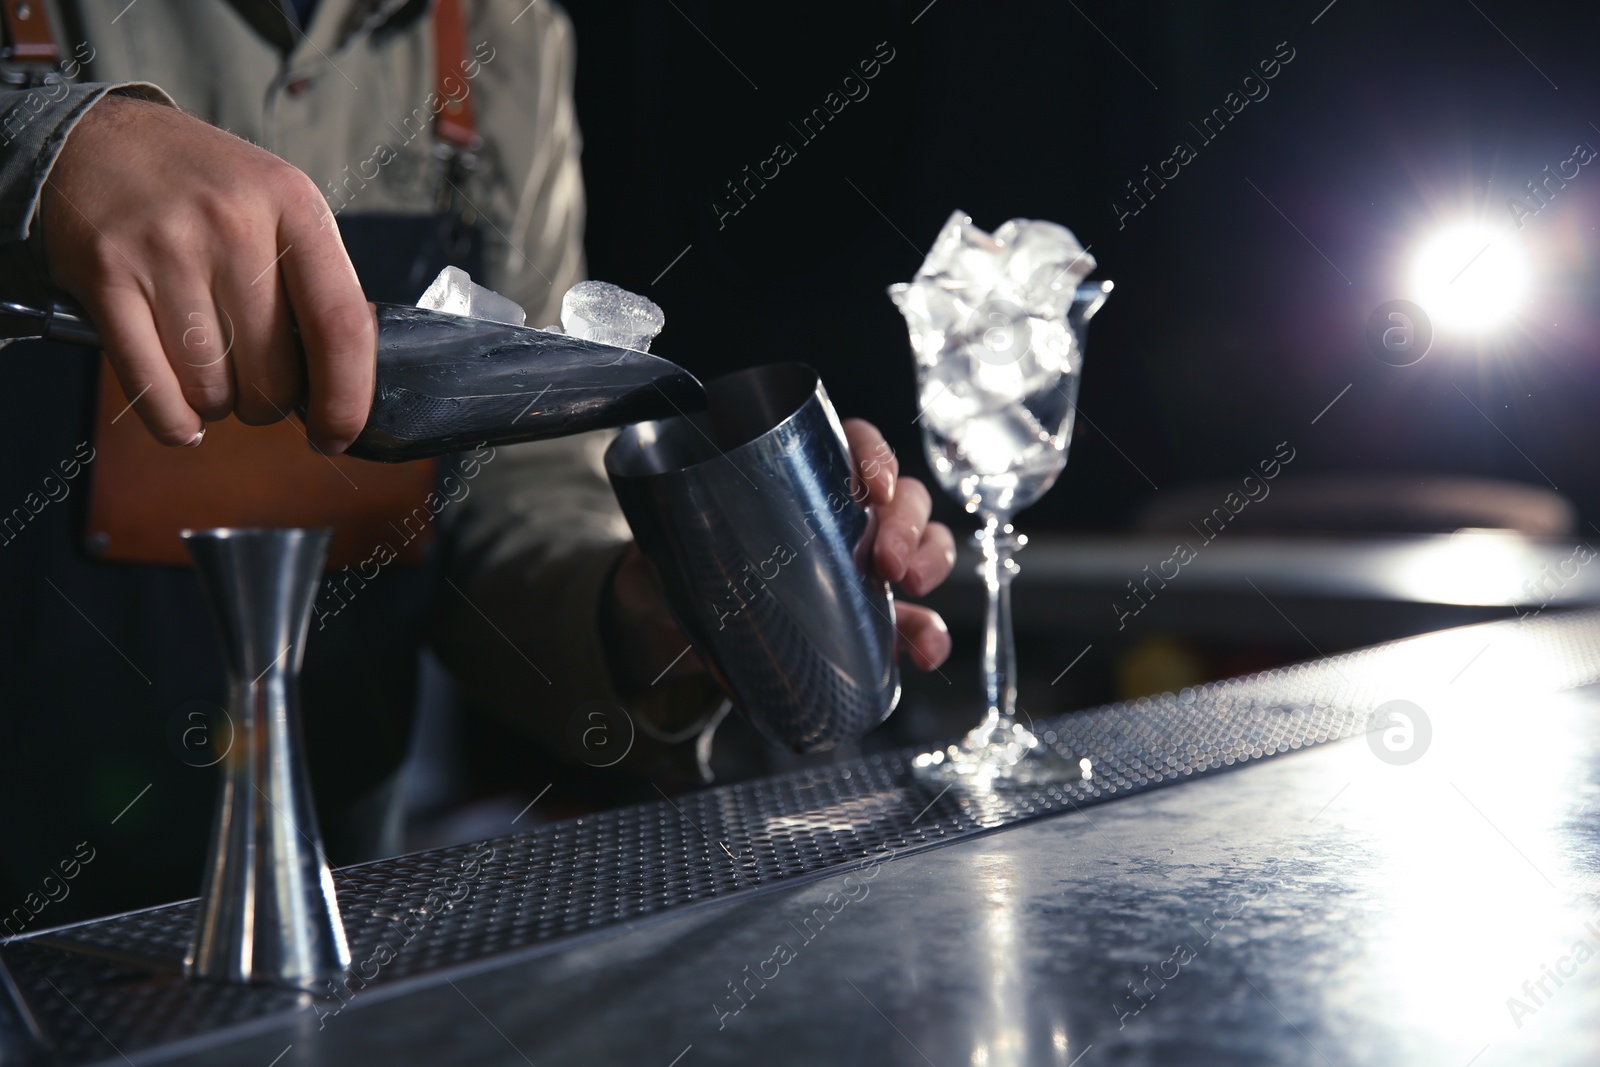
[267, 909]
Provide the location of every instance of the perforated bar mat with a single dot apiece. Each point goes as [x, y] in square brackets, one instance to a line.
[115, 984]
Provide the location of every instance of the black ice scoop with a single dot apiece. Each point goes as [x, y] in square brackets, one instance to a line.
[446, 382]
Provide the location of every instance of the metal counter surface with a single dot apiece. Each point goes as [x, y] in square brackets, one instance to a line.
[1322, 908]
[1341, 904]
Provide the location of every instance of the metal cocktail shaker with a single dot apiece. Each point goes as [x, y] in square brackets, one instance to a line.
[749, 512]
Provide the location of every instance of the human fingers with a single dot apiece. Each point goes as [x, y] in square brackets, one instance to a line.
[127, 329]
[923, 634]
[268, 370]
[873, 464]
[932, 562]
[900, 527]
[196, 340]
[338, 328]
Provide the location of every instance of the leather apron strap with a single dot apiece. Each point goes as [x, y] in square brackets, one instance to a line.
[457, 123]
[143, 493]
[28, 35]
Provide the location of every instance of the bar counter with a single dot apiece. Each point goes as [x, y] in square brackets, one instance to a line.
[1255, 871]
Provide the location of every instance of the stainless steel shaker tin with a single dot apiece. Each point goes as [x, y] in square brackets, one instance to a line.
[747, 510]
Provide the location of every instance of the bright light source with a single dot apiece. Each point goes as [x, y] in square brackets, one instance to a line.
[1471, 276]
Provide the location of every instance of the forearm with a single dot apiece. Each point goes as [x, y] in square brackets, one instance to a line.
[526, 620]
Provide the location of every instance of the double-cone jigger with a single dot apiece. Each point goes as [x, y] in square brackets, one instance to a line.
[267, 909]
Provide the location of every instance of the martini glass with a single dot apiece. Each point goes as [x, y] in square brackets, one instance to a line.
[997, 418]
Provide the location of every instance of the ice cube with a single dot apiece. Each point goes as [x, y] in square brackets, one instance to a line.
[997, 332]
[1044, 353]
[1052, 348]
[1043, 264]
[976, 289]
[936, 314]
[988, 322]
[454, 292]
[1001, 383]
[963, 259]
[995, 442]
[609, 314]
[949, 395]
[1012, 354]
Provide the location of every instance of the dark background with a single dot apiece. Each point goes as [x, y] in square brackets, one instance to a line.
[1229, 330]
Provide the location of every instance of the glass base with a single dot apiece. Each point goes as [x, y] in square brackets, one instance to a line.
[997, 756]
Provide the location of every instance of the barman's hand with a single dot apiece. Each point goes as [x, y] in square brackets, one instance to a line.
[909, 550]
[195, 255]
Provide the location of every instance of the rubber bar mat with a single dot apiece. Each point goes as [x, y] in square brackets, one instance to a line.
[112, 987]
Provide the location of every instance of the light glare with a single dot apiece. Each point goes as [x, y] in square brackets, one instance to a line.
[1471, 276]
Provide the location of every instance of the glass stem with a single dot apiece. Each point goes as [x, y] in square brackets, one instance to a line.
[996, 542]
